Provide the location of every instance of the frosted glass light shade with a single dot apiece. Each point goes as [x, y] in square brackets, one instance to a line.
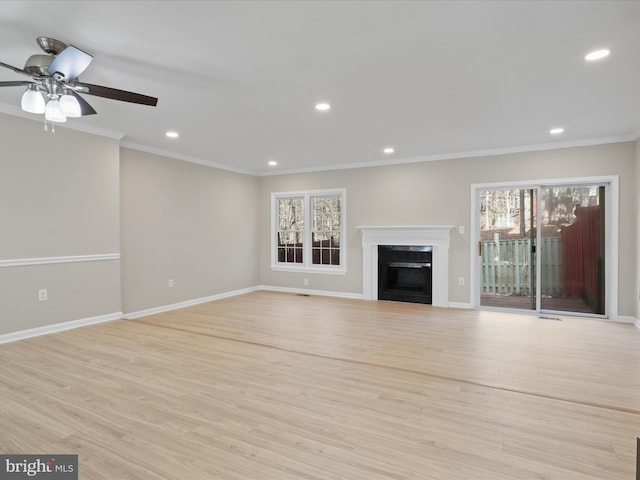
[32, 102]
[53, 112]
[69, 106]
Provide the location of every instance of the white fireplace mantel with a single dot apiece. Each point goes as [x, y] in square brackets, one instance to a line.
[437, 237]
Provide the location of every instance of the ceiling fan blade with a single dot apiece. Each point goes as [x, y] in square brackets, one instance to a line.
[70, 63]
[15, 84]
[15, 69]
[85, 108]
[115, 94]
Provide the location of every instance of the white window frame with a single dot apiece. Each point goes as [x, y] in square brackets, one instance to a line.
[307, 266]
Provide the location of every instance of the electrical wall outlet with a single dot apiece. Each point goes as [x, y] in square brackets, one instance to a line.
[461, 281]
[43, 295]
[170, 283]
[305, 282]
[461, 229]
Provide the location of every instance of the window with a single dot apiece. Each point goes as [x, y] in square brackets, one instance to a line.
[307, 231]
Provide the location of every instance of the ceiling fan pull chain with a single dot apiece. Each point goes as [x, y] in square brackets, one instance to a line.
[53, 127]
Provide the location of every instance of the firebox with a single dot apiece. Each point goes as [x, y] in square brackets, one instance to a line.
[404, 273]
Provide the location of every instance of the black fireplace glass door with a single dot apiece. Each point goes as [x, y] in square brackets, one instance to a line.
[404, 273]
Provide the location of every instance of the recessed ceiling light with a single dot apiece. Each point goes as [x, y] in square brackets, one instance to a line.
[172, 134]
[597, 55]
[556, 131]
[322, 107]
[388, 150]
[272, 163]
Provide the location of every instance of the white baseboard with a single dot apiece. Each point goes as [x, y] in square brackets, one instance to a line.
[636, 322]
[58, 327]
[624, 319]
[353, 296]
[197, 301]
[186, 303]
[466, 306]
[306, 291]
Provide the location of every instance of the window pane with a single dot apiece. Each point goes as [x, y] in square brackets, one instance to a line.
[325, 230]
[290, 229]
[326, 213]
[320, 239]
[335, 240]
[291, 214]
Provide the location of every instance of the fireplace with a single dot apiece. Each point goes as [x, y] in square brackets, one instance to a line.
[438, 237]
[404, 273]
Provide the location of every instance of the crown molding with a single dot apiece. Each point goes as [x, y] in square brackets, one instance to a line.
[464, 154]
[87, 128]
[92, 129]
[185, 158]
[71, 124]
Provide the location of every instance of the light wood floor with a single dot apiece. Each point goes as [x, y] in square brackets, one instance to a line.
[272, 386]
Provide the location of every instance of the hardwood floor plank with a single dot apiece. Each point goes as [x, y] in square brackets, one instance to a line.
[274, 386]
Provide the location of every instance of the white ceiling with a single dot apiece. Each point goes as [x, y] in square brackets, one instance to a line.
[239, 80]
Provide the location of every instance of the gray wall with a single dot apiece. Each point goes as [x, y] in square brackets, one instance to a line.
[191, 223]
[438, 193]
[58, 198]
[209, 230]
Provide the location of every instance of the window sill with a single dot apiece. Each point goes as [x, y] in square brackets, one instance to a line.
[301, 269]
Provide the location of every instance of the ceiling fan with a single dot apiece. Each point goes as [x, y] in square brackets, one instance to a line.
[54, 85]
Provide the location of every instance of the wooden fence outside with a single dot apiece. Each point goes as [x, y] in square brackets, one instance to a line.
[506, 264]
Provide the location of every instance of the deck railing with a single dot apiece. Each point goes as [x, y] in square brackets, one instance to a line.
[506, 266]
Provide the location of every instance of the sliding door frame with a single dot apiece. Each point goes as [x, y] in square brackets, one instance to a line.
[612, 207]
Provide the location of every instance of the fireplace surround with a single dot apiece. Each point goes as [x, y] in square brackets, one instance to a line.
[437, 237]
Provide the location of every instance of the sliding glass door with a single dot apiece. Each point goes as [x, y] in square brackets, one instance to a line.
[507, 248]
[572, 254]
[542, 248]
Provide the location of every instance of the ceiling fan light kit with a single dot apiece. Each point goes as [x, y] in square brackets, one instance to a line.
[33, 101]
[53, 113]
[52, 89]
[69, 106]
